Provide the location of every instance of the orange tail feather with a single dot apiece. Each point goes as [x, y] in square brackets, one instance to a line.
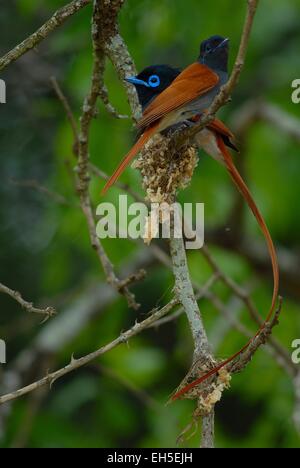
[237, 179]
[129, 156]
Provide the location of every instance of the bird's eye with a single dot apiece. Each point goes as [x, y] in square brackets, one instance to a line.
[208, 48]
[154, 81]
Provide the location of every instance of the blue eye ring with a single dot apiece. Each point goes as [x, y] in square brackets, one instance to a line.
[154, 81]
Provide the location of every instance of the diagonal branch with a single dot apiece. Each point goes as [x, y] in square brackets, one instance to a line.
[260, 339]
[28, 306]
[59, 18]
[77, 363]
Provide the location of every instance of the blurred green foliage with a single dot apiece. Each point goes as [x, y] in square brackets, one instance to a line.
[45, 250]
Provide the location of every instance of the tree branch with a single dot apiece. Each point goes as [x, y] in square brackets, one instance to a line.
[185, 293]
[259, 110]
[59, 18]
[116, 50]
[28, 306]
[260, 339]
[77, 363]
[208, 430]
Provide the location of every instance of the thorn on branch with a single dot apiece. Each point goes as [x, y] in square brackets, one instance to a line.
[28, 306]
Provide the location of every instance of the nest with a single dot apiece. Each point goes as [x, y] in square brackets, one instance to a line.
[165, 170]
[209, 392]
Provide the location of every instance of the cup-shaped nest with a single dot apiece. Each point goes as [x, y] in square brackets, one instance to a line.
[165, 169]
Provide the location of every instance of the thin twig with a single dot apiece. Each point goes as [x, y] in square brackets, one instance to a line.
[201, 292]
[140, 393]
[103, 94]
[100, 173]
[28, 306]
[35, 185]
[260, 339]
[259, 110]
[77, 363]
[69, 113]
[59, 18]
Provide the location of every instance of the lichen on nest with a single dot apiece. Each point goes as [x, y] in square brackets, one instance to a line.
[164, 169]
[207, 402]
[208, 392]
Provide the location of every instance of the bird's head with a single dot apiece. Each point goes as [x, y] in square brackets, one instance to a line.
[152, 81]
[214, 52]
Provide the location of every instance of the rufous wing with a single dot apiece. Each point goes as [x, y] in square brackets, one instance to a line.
[193, 82]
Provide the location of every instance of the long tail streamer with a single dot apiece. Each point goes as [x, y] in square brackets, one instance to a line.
[242, 187]
[129, 156]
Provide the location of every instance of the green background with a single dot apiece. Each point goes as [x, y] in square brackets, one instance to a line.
[45, 249]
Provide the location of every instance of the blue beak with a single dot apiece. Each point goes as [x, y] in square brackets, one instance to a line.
[135, 81]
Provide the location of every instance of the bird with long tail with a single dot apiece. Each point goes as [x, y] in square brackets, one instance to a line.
[190, 94]
[214, 139]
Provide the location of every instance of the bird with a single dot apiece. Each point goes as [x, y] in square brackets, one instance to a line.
[152, 80]
[214, 140]
[190, 94]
